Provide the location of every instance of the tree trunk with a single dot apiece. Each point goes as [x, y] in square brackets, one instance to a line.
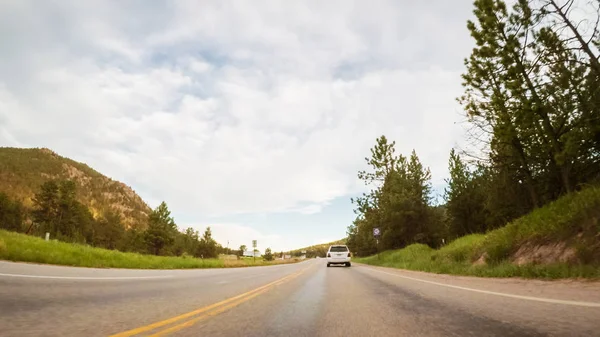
[546, 123]
[529, 181]
[518, 146]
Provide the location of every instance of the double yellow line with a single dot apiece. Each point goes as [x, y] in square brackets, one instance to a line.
[188, 319]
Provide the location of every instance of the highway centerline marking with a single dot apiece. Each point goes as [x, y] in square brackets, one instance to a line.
[215, 312]
[88, 277]
[521, 297]
[221, 309]
[210, 310]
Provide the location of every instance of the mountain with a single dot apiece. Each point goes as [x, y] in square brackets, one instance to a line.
[22, 171]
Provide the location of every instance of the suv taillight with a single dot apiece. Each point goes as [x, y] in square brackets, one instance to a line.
[348, 254]
[328, 255]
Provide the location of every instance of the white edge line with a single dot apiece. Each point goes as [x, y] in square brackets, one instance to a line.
[87, 278]
[529, 298]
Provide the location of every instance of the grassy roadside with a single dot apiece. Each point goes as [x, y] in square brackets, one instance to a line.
[569, 225]
[24, 248]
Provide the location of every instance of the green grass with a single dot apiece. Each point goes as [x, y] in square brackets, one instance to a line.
[24, 248]
[572, 219]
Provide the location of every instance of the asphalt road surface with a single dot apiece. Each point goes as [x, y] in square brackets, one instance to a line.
[303, 299]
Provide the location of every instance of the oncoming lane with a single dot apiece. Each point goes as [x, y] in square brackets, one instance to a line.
[61, 301]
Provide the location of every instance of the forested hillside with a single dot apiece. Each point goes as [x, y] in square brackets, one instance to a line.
[42, 192]
[317, 250]
[23, 171]
[532, 107]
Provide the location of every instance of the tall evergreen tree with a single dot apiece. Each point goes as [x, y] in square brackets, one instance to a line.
[528, 89]
[12, 213]
[398, 204]
[109, 230]
[161, 230]
[207, 247]
[465, 199]
[57, 211]
[46, 207]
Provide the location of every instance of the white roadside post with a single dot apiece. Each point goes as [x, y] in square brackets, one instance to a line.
[47, 236]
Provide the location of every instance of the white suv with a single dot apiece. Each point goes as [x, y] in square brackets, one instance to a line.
[338, 254]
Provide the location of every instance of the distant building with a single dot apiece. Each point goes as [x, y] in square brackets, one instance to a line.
[250, 253]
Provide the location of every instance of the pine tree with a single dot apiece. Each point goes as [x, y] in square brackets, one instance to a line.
[46, 207]
[398, 204]
[528, 89]
[465, 199]
[207, 247]
[161, 229]
[109, 230]
[12, 213]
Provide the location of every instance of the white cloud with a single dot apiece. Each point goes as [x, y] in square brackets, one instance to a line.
[322, 241]
[200, 66]
[309, 209]
[238, 235]
[231, 107]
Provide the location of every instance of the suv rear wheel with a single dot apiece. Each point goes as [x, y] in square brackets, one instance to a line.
[328, 265]
[348, 264]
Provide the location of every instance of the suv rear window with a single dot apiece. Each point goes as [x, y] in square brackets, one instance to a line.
[338, 249]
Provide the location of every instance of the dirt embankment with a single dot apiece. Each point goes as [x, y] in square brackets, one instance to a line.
[530, 253]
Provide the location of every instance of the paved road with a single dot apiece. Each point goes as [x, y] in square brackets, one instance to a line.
[304, 299]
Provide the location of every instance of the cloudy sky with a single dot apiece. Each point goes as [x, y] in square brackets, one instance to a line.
[250, 117]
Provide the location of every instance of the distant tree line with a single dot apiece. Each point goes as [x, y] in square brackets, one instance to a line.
[316, 250]
[57, 211]
[267, 256]
[532, 103]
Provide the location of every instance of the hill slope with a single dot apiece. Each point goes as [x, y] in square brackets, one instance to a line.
[559, 240]
[22, 171]
[317, 250]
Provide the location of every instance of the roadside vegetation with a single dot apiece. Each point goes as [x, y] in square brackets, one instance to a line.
[25, 248]
[80, 238]
[522, 198]
[56, 209]
[559, 240]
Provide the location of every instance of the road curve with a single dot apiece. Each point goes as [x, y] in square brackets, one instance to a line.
[304, 299]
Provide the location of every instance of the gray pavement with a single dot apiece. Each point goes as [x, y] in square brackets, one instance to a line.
[304, 299]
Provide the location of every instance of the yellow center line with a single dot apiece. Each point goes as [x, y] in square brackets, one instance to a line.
[195, 320]
[242, 298]
[221, 309]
